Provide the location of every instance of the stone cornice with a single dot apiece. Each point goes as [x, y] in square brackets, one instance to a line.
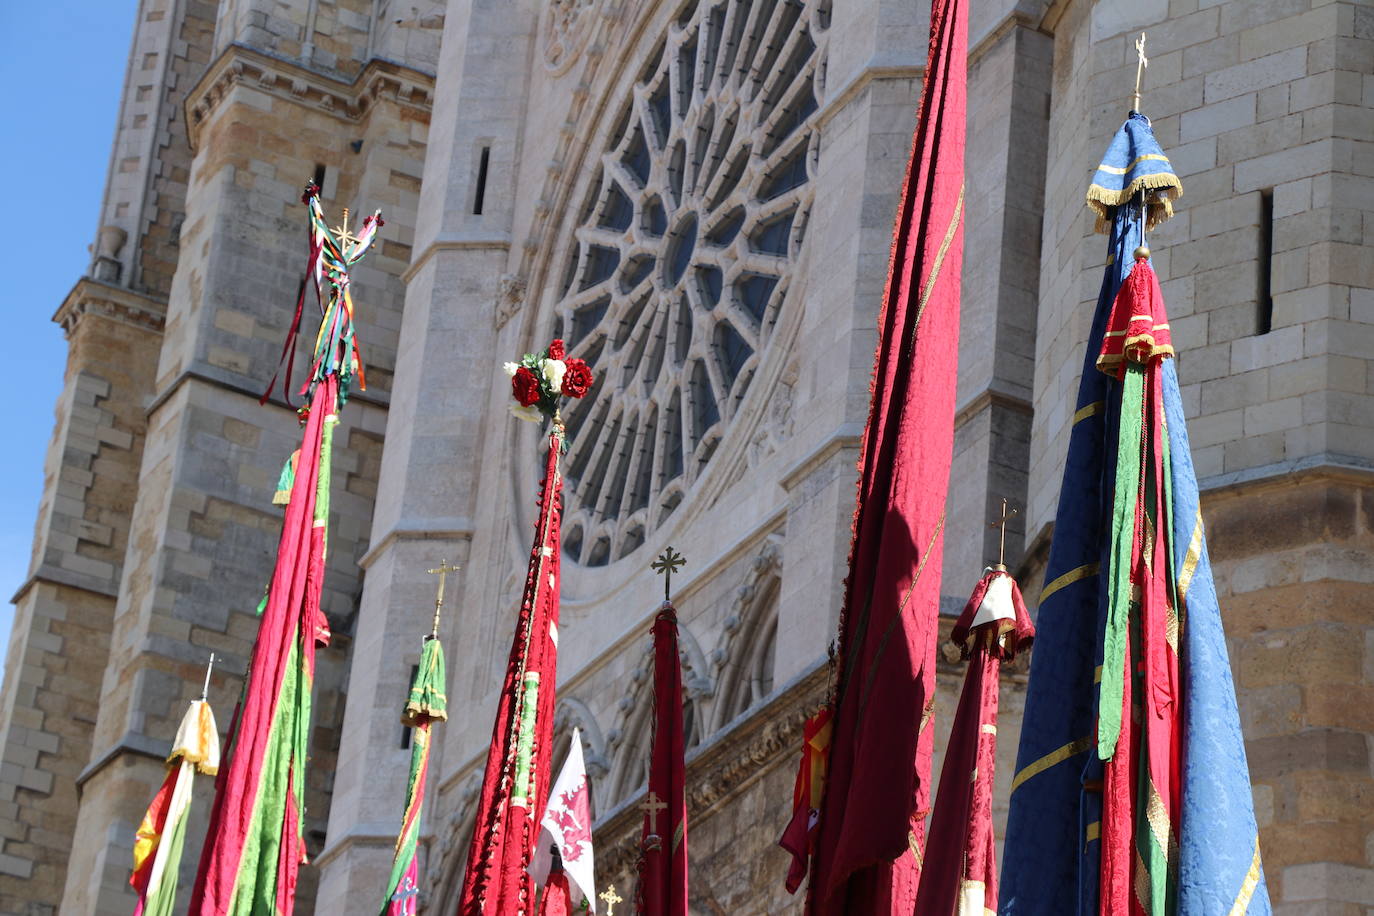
[767, 736]
[422, 257]
[847, 435]
[1013, 20]
[419, 529]
[95, 297]
[1249, 484]
[65, 578]
[990, 397]
[131, 744]
[289, 80]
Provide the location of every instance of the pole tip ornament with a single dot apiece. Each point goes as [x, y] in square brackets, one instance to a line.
[1001, 564]
[610, 898]
[1141, 63]
[668, 562]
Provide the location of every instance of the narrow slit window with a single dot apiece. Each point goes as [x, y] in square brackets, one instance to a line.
[480, 196]
[405, 729]
[319, 175]
[1264, 298]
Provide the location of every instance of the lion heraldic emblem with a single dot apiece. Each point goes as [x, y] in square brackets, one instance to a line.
[572, 818]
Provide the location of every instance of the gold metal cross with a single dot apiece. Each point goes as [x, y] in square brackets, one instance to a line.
[1141, 63]
[442, 572]
[610, 898]
[342, 233]
[651, 806]
[669, 562]
[1002, 536]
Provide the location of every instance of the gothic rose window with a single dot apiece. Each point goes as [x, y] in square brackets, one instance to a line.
[681, 259]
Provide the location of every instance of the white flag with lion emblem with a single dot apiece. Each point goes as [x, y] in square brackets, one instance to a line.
[567, 823]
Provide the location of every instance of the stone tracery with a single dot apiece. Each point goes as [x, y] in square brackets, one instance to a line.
[680, 263]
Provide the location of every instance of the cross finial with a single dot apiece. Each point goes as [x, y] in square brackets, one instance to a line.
[610, 898]
[1002, 536]
[669, 562]
[442, 572]
[1141, 63]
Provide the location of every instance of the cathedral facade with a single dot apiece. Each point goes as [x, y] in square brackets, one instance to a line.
[698, 196]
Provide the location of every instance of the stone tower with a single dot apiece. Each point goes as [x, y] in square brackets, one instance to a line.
[154, 540]
[698, 195]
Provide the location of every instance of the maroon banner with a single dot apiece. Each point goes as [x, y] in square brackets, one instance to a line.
[872, 828]
[960, 874]
[515, 786]
[663, 861]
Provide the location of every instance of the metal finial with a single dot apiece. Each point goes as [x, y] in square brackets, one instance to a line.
[669, 562]
[205, 690]
[610, 898]
[1002, 536]
[442, 572]
[1141, 63]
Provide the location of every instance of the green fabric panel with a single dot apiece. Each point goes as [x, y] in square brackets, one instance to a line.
[427, 692]
[524, 745]
[322, 483]
[287, 480]
[1122, 546]
[255, 887]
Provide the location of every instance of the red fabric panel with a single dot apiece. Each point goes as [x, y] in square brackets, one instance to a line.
[497, 878]
[1138, 328]
[873, 820]
[663, 866]
[157, 814]
[557, 897]
[961, 845]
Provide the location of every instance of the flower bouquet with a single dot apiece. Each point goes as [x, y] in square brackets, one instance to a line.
[538, 380]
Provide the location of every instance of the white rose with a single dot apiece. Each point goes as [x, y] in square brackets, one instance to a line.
[554, 370]
[510, 368]
[530, 413]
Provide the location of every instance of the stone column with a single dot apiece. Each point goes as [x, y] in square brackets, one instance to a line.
[447, 367]
[873, 82]
[1009, 85]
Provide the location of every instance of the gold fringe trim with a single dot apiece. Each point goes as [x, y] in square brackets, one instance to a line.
[1159, 208]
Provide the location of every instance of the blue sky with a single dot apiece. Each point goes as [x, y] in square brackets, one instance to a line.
[63, 70]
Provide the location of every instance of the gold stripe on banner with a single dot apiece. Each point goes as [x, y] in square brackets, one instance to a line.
[915, 848]
[1067, 579]
[1185, 575]
[939, 260]
[1148, 157]
[1087, 411]
[1247, 887]
[1054, 757]
[1092, 833]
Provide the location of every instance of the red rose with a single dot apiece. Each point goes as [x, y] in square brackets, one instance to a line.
[525, 386]
[578, 379]
[556, 350]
